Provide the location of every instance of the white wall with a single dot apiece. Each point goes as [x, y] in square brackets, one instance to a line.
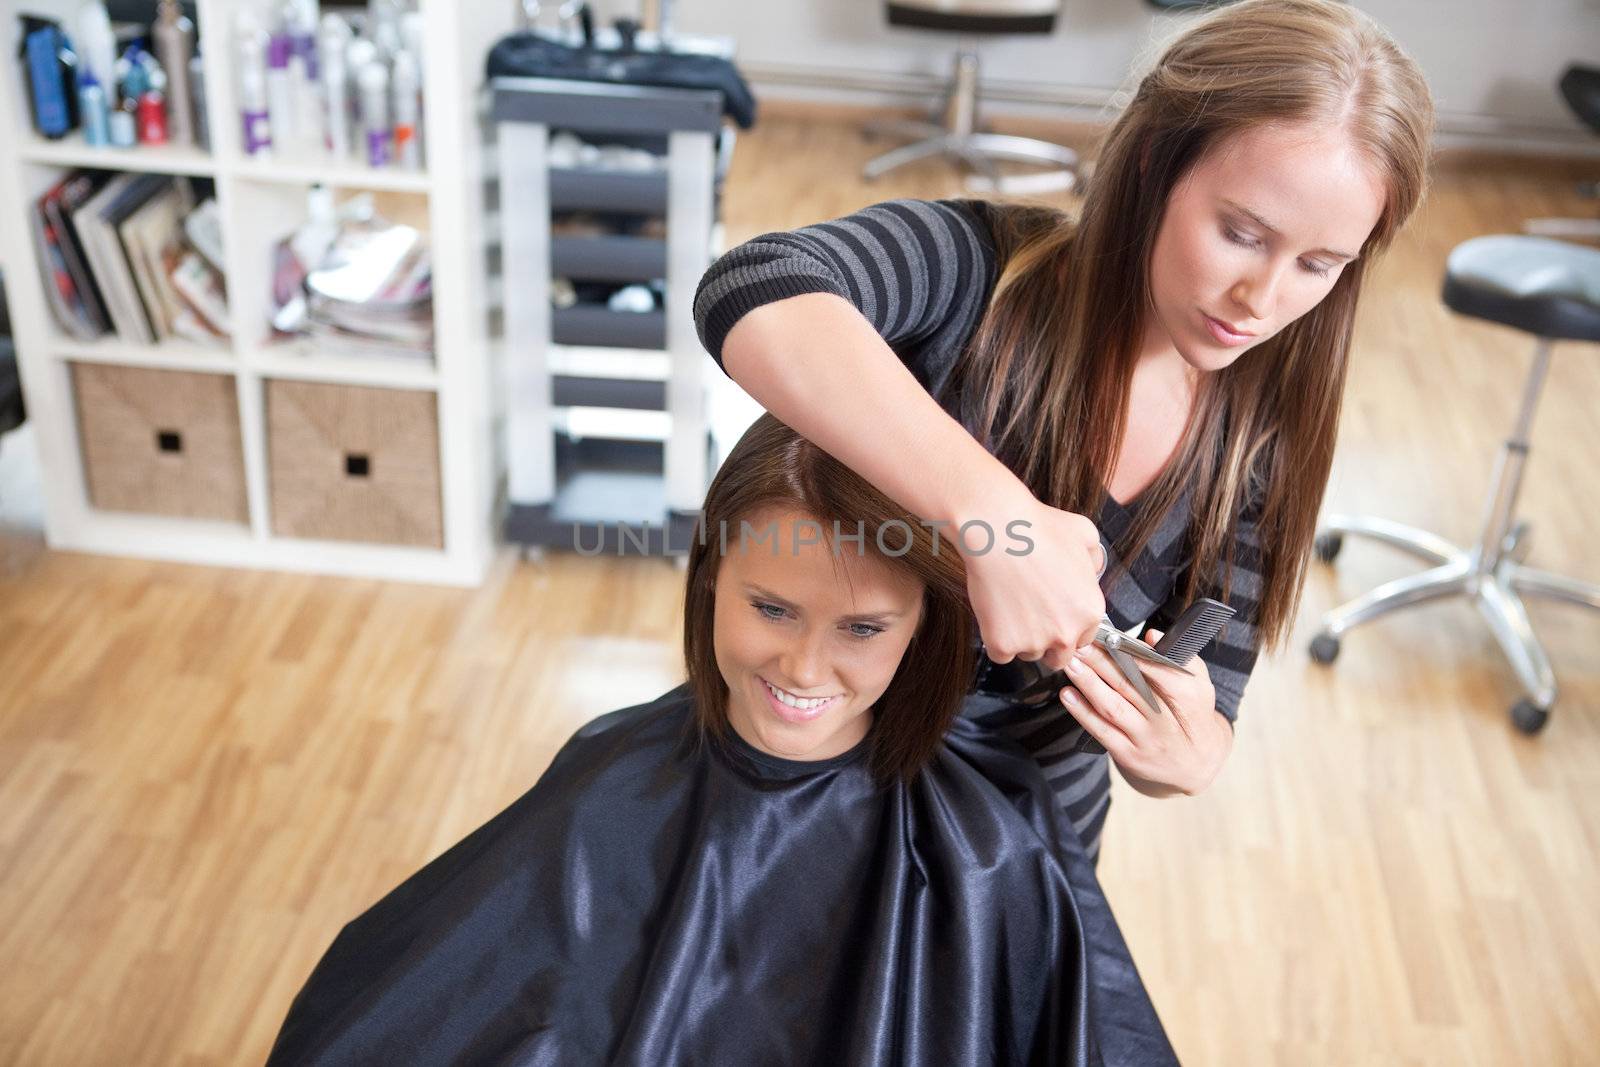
[1492, 63]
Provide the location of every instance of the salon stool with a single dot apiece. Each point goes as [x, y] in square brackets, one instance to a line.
[1551, 290]
[955, 130]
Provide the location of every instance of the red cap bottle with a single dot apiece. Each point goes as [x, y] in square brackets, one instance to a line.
[152, 118]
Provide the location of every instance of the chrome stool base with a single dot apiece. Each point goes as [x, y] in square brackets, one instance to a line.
[955, 132]
[1492, 573]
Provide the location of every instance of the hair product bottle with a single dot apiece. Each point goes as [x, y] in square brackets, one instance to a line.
[374, 81]
[152, 115]
[92, 106]
[257, 123]
[407, 152]
[333, 37]
[280, 89]
[174, 47]
[197, 96]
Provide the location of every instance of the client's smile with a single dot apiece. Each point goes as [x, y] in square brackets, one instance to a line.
[795, 701]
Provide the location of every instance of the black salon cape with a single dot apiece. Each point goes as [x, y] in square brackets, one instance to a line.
[655, 900]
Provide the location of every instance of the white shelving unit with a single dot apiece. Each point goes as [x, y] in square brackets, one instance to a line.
[609, 432]
[260, 201]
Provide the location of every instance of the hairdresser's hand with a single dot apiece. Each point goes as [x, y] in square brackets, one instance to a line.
[1038, 601]
[1179, 750]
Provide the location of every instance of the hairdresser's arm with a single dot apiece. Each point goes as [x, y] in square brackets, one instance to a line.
[818, 365]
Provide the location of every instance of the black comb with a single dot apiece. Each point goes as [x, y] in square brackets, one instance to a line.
[1193, 630]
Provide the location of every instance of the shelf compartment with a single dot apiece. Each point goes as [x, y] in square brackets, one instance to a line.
[608, 259]
[592, 324]
[599, 189]
[602, 108]
[587, 361]
[579, 391]
[610, 495]
[586, 424]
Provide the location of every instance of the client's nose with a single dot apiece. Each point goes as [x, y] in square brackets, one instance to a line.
[805, 664]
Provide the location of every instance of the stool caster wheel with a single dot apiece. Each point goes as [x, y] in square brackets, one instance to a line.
[1326, 547]
[1324, 648]
[1529, 717]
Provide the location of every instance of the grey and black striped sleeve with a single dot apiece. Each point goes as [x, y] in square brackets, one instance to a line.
[1231, 655]
[920, 271]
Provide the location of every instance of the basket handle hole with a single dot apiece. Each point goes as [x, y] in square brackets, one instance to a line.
[169, 440]
[357, 465]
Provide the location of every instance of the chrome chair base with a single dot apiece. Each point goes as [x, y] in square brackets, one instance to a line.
[955, 133]
[1492, 573]
[1498, 593]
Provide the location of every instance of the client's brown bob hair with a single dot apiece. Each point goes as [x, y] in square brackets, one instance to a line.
[773, 466]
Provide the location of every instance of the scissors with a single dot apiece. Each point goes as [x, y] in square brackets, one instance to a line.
[1032, 683]
[1124, 650]
[1029, 682]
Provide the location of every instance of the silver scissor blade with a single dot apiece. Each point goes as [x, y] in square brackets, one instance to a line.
[1131, 671]
[1109, 637]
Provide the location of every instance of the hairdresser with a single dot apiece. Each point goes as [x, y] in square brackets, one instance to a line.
[1152, 387]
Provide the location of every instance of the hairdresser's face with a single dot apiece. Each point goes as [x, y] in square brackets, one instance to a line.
[1253, 237]
[813, 621]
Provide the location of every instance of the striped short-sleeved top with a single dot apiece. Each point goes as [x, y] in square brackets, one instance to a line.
[921, 272]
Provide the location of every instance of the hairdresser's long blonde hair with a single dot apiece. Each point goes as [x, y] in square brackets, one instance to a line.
[1065, 319]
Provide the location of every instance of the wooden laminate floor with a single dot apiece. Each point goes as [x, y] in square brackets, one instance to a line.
[205, 773]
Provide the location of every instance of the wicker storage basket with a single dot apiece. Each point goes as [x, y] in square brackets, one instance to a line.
[160, 442]
[354, 463]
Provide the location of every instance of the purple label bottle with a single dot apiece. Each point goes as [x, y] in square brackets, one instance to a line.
[373, 81]
[257, 132]
[377, 148]
[253, 111]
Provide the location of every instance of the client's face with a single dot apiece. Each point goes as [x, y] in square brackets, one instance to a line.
[807, 639]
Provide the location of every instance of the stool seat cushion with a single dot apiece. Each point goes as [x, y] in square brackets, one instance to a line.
[975, 16]
[1546, 287]
[1581, 87]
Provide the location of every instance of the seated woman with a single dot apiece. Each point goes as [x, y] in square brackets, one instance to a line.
[800, 856]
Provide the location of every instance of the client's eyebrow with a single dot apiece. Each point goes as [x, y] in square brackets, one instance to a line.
[1270, 228]
[876, 616]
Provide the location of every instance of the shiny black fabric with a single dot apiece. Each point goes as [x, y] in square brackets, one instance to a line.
[658, 900]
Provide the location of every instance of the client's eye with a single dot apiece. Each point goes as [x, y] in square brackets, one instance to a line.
[761, 607]
[872, 631]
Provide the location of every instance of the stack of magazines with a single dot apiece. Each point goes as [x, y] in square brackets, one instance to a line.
[356, 283]
[134, 254]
